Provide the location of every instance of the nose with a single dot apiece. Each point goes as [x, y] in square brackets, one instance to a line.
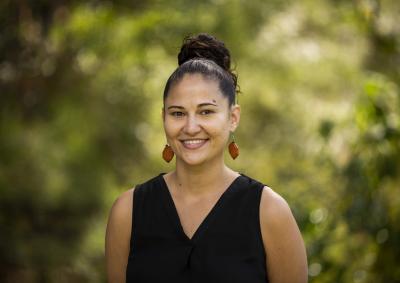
[192, 126]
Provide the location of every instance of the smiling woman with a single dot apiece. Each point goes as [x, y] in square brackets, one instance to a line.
[198, 120]
[202, 222]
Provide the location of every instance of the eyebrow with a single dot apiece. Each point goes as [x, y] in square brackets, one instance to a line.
[207, 104]
[200, 105]
[174, 106]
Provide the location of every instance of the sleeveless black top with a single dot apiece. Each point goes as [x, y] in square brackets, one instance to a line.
[226, 247]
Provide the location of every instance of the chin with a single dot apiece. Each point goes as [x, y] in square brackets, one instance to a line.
[193, 160]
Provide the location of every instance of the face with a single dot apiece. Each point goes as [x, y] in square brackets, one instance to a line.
[198, 120]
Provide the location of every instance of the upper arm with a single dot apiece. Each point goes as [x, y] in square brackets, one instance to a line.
[118, 233]
[283, 243]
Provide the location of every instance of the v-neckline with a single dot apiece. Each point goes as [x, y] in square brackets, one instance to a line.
[174, 216]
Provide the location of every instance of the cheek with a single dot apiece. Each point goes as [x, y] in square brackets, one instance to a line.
[169, 129]
[220, 130]
[170, 124]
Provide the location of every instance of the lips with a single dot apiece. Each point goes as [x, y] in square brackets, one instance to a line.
[194, 143]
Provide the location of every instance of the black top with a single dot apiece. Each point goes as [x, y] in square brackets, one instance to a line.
[226, 247]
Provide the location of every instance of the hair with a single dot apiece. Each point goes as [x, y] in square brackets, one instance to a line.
[206, 55]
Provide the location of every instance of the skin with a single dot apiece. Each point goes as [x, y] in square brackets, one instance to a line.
[195, 109]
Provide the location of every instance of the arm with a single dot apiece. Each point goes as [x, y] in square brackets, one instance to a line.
[118, 236]
[284, 246]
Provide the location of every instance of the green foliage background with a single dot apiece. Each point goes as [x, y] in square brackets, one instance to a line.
[81, 96]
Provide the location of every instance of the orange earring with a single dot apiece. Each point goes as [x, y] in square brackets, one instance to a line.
[167, 153]
[233, 148]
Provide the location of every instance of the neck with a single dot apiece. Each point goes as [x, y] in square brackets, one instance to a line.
[198, 180]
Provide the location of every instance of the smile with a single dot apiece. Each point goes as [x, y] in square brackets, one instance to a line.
[194, 144]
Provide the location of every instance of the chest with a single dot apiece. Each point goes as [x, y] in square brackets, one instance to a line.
[192, 213]
[216, 239]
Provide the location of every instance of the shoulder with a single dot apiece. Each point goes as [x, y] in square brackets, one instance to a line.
[123, 204]
[271, 203]
[273, 208]
[123, 201]
[121, 210]
[283, 243]
[276, 218]
[118, 233]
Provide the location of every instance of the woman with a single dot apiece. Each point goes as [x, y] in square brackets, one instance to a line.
[202, 222]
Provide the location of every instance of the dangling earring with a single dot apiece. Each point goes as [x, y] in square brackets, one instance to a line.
[233, 148]
[167, 153]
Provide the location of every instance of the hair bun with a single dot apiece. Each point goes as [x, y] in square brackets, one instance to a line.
[208, 47]
[205, 46]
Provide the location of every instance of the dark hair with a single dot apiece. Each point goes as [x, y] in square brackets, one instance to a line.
[206, 55]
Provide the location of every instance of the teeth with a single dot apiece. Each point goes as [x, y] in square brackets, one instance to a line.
[193, 141]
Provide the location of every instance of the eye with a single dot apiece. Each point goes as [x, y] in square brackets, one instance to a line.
[206, 112]
[177, 114]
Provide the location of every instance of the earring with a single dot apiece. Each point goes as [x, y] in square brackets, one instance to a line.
[233, 148]
[167, 153]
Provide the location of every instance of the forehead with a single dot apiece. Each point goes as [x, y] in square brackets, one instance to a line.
[195, 89]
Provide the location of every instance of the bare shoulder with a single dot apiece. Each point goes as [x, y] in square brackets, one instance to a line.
[120, 215]
[273, 207]
[283, 243]
[276, 218]
[118, 234]
[123, 203]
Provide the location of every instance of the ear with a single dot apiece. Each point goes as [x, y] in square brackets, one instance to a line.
[234, 117]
